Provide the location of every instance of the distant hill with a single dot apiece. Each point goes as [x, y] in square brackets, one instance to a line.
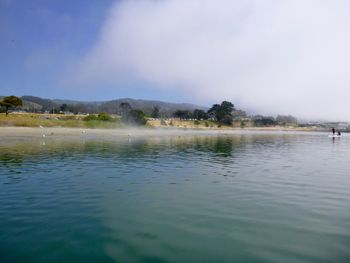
[166, 108]
[45, 104]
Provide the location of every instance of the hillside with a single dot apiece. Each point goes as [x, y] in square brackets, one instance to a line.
[166, 108]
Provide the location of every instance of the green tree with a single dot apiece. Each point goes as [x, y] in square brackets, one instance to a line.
[54, 111]
[132, 116]
[137, 117]
[90, 117]
[227, 119]
[11, 102]
[125, 110]
[64, 107]
[200, 114]
[155, 112]
[222, 112]
[79, 108]
[264, 120]
[103, 116]
[183, 114]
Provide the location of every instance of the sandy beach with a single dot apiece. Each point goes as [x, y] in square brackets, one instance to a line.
[21, 133]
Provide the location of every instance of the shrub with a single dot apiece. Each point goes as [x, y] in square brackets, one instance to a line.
[100, 117]
[91, 117]
[103, 116]
[227, 120]
[137, 117]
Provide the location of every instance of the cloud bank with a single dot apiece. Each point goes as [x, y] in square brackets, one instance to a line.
[288, 57]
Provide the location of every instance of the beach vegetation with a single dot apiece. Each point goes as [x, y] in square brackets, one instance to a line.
[57, 120]
[200, 114]
[125, 109]
[55, 111]
[222, 113]
[10, 102]
[137, 117]
[155, 112]
[183, 114]
[132, 116]
[260, 121]
[103, 116]
[64, 107]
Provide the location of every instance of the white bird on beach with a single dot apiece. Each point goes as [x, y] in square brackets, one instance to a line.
[41, 126]
[44, 135]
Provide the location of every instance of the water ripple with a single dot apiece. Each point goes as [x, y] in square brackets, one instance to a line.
[245, 198]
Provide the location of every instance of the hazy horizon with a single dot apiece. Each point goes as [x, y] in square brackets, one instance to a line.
[266, 57]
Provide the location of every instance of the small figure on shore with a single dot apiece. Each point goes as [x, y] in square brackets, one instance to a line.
[333, 130]
[339, 133]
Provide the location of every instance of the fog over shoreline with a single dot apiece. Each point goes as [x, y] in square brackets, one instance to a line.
[270, 57]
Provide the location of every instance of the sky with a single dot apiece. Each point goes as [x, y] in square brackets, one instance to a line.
[269, 57]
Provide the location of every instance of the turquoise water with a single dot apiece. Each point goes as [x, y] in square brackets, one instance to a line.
[228, 198]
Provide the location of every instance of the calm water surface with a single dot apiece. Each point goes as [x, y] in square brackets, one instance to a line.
[228, 198]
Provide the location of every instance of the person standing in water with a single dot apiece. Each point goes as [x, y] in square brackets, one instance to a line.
[333, 130]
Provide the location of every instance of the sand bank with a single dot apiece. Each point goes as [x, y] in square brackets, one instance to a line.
[29, 132]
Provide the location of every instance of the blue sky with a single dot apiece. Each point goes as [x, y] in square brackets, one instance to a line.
[36, 38]
[40, 39]
[271, 57]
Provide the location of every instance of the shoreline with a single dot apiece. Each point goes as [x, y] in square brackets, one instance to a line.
[47, 132]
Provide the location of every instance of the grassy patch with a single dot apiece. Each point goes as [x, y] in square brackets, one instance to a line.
[54, 120]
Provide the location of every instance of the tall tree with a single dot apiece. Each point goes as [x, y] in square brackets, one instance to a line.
[200, 114]
[222, 112]
[11, 102]
[125, 110]
[155, 112]
[260, 120]
[137, 117]
[183, 114]
[64, 107]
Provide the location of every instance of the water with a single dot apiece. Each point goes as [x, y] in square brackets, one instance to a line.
[228, 198]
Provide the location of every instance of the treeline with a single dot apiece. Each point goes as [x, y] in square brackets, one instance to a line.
[282, 120]
[128, 115]
[40, 105]
[224, 113]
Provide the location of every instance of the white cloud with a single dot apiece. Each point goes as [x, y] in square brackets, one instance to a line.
[271, 56]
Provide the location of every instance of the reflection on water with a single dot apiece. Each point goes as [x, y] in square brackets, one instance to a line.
[228, 198]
